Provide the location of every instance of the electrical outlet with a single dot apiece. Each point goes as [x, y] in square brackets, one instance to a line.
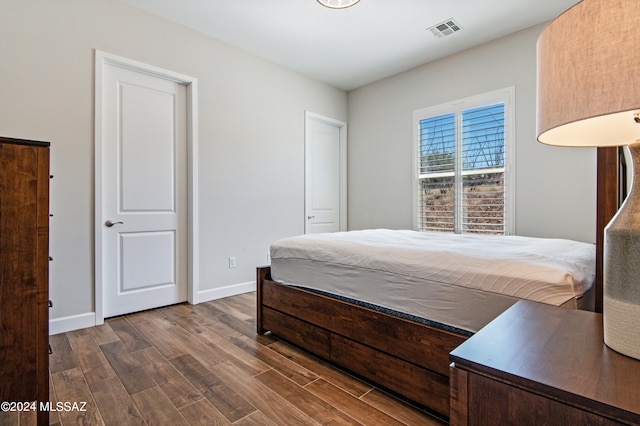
[232, 262]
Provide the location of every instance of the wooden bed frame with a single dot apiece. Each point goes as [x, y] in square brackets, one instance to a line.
[404, 356]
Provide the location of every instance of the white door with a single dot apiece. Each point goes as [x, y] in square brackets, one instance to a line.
[144, 191]
[325, 174]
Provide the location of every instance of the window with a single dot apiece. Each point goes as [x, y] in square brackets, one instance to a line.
[463, 172]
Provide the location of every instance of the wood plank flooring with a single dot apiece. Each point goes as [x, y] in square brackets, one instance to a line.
[205, 365]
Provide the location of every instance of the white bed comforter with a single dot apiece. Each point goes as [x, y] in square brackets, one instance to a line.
[540, 269]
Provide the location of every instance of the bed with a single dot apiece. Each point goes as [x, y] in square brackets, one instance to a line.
[403, 352]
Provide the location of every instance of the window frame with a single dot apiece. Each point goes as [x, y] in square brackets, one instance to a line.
[506, 96]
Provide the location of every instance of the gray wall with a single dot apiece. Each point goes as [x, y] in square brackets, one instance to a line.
[251, 132]
[555, 187]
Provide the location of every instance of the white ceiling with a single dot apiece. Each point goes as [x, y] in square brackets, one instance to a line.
[351, 47]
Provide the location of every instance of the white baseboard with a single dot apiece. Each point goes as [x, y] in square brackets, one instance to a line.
[70, 323]
[76, 322]
[231, 290]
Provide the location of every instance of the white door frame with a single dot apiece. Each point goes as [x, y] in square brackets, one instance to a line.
[342, 127]
[101, 60]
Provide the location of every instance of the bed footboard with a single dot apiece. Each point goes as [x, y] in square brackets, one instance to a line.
[263, 273]
[404, 356]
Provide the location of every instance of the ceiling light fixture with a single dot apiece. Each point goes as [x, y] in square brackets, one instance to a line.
[337, 4]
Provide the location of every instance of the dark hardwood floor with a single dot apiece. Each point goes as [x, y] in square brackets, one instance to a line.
[204, 364]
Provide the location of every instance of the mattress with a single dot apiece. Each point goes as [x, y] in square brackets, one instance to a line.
[459, 281]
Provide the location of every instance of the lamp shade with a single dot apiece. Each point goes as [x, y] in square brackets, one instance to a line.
[589, 75]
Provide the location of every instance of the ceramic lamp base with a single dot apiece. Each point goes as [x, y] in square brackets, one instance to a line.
[622, 327]
[621, 290]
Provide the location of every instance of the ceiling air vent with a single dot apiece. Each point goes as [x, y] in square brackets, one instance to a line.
[445, 28]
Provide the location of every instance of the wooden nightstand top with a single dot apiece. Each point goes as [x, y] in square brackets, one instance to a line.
[555, 352]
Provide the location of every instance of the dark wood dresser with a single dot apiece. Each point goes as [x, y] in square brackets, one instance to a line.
[538, 364]
[24, 272]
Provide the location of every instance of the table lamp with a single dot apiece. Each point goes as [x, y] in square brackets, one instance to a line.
[589, 96]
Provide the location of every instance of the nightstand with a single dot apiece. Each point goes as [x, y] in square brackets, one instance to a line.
[539, 364]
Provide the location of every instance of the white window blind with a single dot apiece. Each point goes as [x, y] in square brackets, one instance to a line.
[462, 169]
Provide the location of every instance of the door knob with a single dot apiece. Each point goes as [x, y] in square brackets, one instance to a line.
[109, 223]
[310, 217]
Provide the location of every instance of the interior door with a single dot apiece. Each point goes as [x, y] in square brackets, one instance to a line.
[144, 196]
[325, 174]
